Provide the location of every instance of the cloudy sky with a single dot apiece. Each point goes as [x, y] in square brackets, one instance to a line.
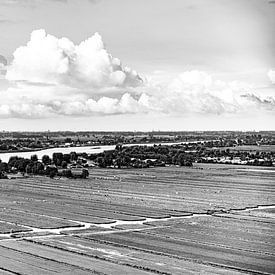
[137, 65]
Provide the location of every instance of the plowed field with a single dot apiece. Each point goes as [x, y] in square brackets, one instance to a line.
[208, 219]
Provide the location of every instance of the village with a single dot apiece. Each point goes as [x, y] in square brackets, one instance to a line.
[29, 141]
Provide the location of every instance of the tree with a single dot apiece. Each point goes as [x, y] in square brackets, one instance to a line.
[118, 147]
[34, 158]
[184, 160]
[126, 160]
[2, 175]
[101, 162]
[3, 167]
[85, 173]
[52, 174]
[29, 169]
[163, 158]
[118, 162]
[73, 156]
[67, 158]
[46, 160]
[174, 159]
[38, 168]
[64, 164]
[19, 164]
[12, 161]
[68, 140]
[57, 158]
[51, 171]
[108, 158]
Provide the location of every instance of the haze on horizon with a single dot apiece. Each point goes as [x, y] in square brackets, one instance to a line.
[137, 65]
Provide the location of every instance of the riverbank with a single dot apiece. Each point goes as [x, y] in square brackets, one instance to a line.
[89, 149]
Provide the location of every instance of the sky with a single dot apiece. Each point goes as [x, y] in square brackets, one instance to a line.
[137, 65]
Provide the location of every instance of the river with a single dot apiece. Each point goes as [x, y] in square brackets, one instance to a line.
[81, 149]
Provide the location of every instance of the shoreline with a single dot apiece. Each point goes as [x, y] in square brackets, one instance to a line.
[99, 145]
[22, 151]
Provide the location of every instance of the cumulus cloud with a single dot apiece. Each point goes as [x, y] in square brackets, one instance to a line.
[3, 65]
[32, 101]
[191, 92]
[198, 92]
[47, 59]
[54, 77]
[266, 103]
[2, 69]
[271, 76]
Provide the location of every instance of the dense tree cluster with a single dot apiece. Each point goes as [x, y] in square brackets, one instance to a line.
[142, 156]
[49, 167]
[23, 165]
[181, 154]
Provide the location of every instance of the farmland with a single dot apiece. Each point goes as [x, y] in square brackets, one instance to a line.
[205, 219]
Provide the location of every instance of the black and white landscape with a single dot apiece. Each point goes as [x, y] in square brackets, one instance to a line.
[137, 136]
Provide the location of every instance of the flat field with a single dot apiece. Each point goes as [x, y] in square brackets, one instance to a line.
[208, 219]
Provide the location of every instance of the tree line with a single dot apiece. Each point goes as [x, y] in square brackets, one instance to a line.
[47, 166]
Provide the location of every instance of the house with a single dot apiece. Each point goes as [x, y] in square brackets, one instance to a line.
[73, 172]
[80, 173]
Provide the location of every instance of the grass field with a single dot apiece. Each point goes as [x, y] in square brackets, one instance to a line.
[167, 220]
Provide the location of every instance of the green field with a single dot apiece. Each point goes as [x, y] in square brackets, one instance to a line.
[167, 220]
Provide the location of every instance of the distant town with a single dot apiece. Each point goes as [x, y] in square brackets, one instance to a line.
[29, 141]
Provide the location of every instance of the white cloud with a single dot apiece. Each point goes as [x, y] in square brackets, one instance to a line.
[2, 69]
[29, 101]
[190, 93]
[197, 92]
[47, 59]
[3, 65]
[53, 77]
[271, 75]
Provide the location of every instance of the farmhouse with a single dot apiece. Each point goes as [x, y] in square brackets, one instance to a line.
[73, 172]
[79, 173]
